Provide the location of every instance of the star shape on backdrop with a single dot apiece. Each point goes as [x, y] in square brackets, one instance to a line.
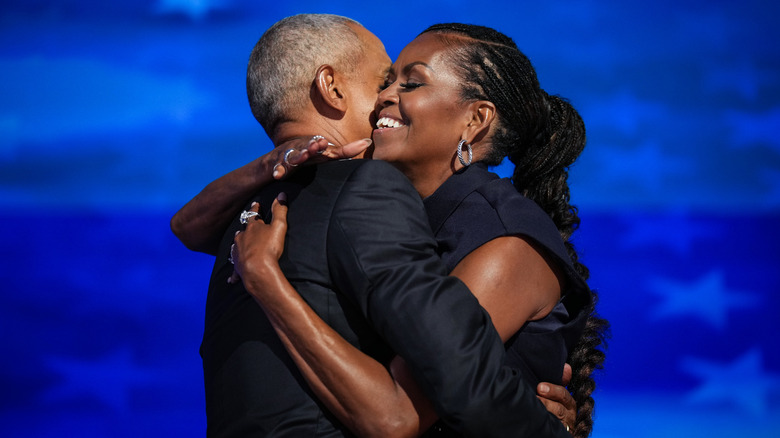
[196, 10]
[707, 299]
[675, 230]
[645, 165]
[108, 379]
[754, 129]
[743, 383]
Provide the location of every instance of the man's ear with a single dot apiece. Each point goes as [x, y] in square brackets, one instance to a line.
[328, 91]
[481, 114]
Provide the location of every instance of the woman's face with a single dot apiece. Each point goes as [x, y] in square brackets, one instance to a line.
[421, 116]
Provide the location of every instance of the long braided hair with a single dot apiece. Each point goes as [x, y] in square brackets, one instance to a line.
[542, 135]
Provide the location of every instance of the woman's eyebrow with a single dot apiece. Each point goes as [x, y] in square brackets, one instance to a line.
[411, 65]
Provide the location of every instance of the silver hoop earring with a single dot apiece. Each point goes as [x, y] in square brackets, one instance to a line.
[460, 153]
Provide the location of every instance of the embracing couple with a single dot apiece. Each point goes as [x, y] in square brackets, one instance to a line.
[414, 293]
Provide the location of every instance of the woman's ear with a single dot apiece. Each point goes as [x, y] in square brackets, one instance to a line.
[481, 115]
[328, 94]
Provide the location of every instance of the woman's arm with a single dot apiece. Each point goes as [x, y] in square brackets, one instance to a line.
[512, 281]
[356, 388]
[202, 221]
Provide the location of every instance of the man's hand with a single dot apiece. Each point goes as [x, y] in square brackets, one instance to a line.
[558, 400]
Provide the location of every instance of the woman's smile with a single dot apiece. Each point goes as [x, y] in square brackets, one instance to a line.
[388, 122]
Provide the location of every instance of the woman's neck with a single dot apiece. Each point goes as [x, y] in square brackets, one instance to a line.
[427, 179]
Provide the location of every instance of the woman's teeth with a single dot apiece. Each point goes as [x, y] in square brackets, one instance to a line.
[387, 122]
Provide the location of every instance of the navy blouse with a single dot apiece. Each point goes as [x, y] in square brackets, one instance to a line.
[475, 206]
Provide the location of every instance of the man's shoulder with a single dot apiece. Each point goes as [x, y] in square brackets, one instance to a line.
[362, 174]
[363, 167]
[375, 186]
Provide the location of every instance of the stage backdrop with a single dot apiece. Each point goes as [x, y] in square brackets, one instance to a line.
[115, 113]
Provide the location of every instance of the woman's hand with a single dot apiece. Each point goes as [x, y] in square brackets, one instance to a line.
[316, 150]
[256, 251]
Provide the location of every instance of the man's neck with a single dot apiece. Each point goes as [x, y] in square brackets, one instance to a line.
[305, 130]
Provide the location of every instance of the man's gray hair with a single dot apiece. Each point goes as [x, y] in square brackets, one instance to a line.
[282, 64]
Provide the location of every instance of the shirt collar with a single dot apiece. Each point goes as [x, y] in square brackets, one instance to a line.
[453, 191]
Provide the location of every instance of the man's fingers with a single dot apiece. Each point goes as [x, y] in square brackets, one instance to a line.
[566, 374]
[559, 401]
[557, 394]
[554, 408]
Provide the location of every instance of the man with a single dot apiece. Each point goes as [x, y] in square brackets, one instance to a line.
[358, 236]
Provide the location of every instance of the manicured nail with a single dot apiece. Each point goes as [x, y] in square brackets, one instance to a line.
[282, 198]
[544, 389]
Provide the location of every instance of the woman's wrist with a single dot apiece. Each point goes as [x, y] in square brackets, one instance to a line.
[263, 278]
[264, 169]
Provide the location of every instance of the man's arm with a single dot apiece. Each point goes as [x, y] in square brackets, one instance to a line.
[382, 254]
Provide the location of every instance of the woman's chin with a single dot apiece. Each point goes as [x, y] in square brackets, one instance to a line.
[385, 142]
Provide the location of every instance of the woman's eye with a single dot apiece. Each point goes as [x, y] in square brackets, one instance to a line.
[411, 85]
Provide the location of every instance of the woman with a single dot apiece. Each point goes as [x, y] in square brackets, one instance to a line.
[467, 86]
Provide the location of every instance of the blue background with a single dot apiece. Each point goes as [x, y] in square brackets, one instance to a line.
[113, 114]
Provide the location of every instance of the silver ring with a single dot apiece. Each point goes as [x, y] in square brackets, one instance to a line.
[319, 137]
[230, 257]
[286, 159]
[315, 138]
[245, 215]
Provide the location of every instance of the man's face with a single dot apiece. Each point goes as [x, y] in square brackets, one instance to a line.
[365, 83]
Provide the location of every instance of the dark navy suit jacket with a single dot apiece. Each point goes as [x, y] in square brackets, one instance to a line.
[360, 251]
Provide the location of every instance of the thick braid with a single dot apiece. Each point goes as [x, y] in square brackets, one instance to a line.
[586, 357]
[542, 135]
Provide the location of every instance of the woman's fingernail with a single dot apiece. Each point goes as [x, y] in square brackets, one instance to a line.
[253, 204]
[282, 198]
[368, 141]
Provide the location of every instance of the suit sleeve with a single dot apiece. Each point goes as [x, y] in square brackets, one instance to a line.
[382, 254]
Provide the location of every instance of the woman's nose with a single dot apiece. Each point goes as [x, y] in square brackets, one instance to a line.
[386, 97]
